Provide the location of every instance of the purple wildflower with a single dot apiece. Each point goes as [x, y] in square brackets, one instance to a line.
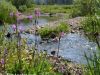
[21, 28]
[2, 61]
[17, 14]
[14, 27]
[30, 17]
[37, 12]
[62, 34]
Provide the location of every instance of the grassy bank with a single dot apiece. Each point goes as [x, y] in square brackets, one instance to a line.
[51, 8]
[20, 59]
[47, 31]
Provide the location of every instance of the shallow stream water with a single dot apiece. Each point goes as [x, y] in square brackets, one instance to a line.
[72, 45]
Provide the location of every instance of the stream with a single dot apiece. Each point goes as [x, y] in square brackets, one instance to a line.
[72, 45]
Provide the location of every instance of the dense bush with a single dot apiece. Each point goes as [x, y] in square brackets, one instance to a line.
[19, 3]
[85, 7]
[22, 8]
[91, 25]
[75, 12]
[46, 32]
[5, 9]
[98, 12]
[88, 7]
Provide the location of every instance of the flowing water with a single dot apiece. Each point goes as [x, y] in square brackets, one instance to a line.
[72, 45]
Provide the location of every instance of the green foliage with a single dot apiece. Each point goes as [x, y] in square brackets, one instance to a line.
[47, 31]
[98, 12]
[5, 9]
[75, 12]
[27, 67]
[91, 25]
[88, 7]
[52, 8]
[19, 3]
[63, 27]
[85, 7]
[93, 65]
[55, 8]
[22, 8]
[36, 64]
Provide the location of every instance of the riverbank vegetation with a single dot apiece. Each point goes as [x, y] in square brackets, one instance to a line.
[18, 57]
[47, 31]
[5, 9]
[21, 60]
[91, 27]
[85, 8]
[53, 9]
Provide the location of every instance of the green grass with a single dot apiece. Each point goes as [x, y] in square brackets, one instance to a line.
[91, 26]
[93, 64]
[51, 8]
[98, 12]
[30, 63]
[47, 31]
